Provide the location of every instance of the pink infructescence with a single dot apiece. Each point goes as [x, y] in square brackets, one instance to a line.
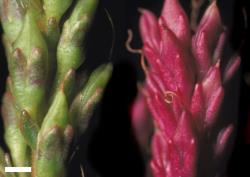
[184, 91]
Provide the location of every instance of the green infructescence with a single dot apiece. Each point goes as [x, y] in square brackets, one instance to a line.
[41, 108]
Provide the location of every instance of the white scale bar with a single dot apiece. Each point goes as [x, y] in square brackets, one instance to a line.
[18, 169]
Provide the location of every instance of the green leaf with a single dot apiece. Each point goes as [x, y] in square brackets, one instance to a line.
[69, 51]
[12, 15]
[49, 156]
[57, 114]
[83, 105]
[29, 129]
[56, 8]
[13, 137]
[28, 68]
[30, 37]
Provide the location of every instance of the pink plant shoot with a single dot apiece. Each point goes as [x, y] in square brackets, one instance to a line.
[184, 91]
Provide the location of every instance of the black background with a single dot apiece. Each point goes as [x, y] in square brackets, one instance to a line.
[108, 147]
